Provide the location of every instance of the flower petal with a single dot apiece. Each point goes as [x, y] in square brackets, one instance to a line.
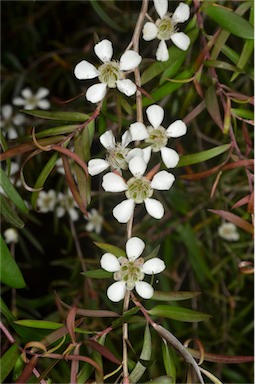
[126, 139]
[144, 289]
[124, 210]
[18, 101]
[107, 139]
[6, 111]
[153, 266]
[162, 51]
[150, 31]
[96, 92]
[116, 291]
[147, 154]
[138, 131]
[96, 166]
[134, 248]
[133, 153]
[113, 183]
[137, 166]
[41, 93]
[104, 50]
[84, 70]
[176, 129]
[162, 181]
[155, 115]
[126, 86]
[181, 14]
[43, 104]
[161, 7]
[26, 93]
[154, 208]
[181, 40]
[73, 214]
[170, 157]
[129, 60]
[110, 263]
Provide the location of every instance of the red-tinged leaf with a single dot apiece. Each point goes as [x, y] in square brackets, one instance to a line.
[250, 207]
[225, 359]
[238, 221]
[70, 323]
[27, 371]
[103, 351]
[241, 202]
[92, 312]
[212, 106]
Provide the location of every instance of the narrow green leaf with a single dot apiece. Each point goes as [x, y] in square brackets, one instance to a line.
[173, 296]
[212, 105]
[230, 21]
[111, 249]
[199, 157]
[66, 116]
[244, 113]
[54, 131]
[178, 313]
[139, 369]
[11, 192]
[10, 272]
[168, 360]
[105, 17]
[41, 324]
[223, 65]
[97, 274]
[8, 361]
[9, 214]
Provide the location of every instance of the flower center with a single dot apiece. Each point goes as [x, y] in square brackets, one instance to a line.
[110, 73]
[117, 157]
[165, 28]
[157, 138]
[139, 189]
[130, 272]
[32, 101]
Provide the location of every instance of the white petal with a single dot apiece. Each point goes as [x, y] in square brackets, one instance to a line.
[96, 166]
[162, 181]
[126, 139]
[124, 210]
[113, 183]
[41, 93]
[147, 154]
[133, 153]
[107, 139]
[170, 157]
[43, 104]
[161, 7]
[129, 60]
[26, 93]
[137, 166]
[144, 289]
[150, 31]
[176, 129]
[110, 263]
[73, 214]
[155, 115]
[60, 211]
[162, 51]
[12, 133]
[18, 101]
[104, 50]
[126, 86]
[96, 92]
[138, 131]
[116, 291]
[181, 40]
[84, 70]
[19, 119]
[154, 265]
[6, 111]
[154, 208]
[181, 14]
[134, 248]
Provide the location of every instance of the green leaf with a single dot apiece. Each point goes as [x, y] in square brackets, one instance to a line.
[8, 361]
[66, 116]
[139, 369]
[244, 113]
[118, 252]
[11, 192]
[199, 157]
[97, 274]
[54, 131]
[41, 324]
[173, 296]
[230, 21]
[105, 17]
[178, 313]
[9, 214]
[161, 380]
[10, 272]
[168, 359]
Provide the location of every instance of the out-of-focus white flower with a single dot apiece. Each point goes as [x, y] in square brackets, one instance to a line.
[138, 189]
[157, 136]
[228, 231]
[111, 73]
[29, 100]
[95, 221]
[11, 235]
[9, 120]
[46, 201]
[66, 204]
[129, 272]
[165, 28]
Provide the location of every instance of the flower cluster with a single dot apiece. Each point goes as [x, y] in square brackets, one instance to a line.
[61, 203]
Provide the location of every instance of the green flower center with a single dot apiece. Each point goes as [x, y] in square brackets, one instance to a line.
[130, 272]
[165, 28]
[117, 157]
[157, 138]
[110, 73]
[139, 189]
[32, 101]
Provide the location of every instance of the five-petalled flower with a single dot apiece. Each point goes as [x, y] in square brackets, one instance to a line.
[157, 136]
[138, 189]
[165, 28]
[30, 100]
[129, 271]
[111, 73]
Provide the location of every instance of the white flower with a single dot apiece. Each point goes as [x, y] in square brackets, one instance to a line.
[138, 189]
[31, 101]
[129, 272]
[95, 221]
[67, 204]
[228, 231]
[11, 235]
[165, 28]
[9, 120]
[46, 201]
[157, 136]
[111, 73]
